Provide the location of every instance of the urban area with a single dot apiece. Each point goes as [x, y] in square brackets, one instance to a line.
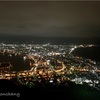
[49, 64]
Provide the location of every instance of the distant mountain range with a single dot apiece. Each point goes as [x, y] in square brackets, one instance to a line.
[53, 40]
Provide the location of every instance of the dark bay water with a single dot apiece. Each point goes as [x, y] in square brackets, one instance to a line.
[88, 52]
[17, 62]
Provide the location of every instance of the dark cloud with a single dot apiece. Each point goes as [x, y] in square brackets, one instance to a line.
[50, 19]
[49, 0]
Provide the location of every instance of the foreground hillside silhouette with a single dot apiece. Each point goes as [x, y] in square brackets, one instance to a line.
[70, 92]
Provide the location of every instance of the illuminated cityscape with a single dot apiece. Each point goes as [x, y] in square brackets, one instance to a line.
[49, 64]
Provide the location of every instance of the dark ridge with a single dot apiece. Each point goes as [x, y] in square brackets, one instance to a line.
[71, 92]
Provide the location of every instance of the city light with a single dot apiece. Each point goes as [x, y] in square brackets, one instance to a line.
[53, 63]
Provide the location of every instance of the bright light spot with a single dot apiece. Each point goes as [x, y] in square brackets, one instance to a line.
[24, 58]
[51, 81]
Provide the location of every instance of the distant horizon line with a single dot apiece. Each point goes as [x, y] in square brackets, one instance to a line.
[34, 36]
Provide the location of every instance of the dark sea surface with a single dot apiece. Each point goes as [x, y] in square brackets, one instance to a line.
[16, 61]
[92, 53]
[5, 38]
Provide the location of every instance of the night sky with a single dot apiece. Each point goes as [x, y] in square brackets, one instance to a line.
[50, 19]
